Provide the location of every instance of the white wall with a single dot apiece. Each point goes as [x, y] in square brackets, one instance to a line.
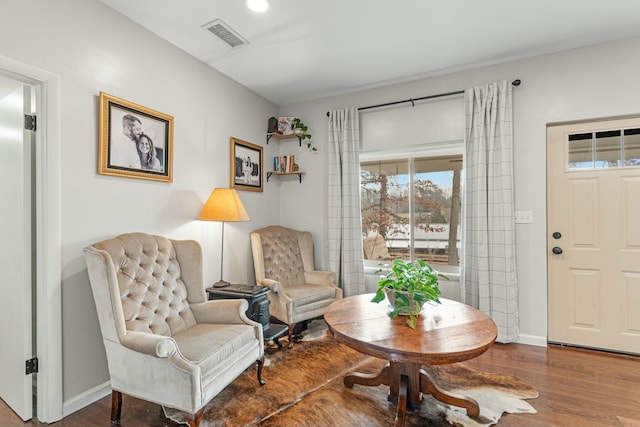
[598, 81]
[93, 49]
[429, 122]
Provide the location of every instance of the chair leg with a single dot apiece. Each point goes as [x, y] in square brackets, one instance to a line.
[116, 406]
[260, 366]
[276, 340]
[291, 326]
[197, 417]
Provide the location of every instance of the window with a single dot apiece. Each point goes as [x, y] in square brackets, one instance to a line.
[604, 149]
[411, 208]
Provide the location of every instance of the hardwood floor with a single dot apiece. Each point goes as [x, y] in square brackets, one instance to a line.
[577, 388]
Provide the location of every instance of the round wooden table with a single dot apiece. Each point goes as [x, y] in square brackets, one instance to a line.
[447, 333]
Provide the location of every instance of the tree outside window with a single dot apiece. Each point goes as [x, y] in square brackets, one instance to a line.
[411, 209]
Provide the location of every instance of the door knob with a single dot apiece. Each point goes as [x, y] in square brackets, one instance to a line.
[556, 250]
[556, 235]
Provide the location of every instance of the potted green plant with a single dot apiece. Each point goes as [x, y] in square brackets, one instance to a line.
[408, 286]
[301, 130]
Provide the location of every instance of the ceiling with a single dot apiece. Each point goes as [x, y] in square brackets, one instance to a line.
[300, 50]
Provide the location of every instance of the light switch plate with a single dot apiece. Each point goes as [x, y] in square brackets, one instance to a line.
[523, 217]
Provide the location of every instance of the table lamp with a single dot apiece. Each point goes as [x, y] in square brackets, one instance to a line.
[223, 205]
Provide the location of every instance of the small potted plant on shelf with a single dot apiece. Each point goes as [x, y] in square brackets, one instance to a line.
[300, 129]
[408, 286]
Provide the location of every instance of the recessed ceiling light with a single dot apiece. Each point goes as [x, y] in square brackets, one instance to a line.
[258, 5]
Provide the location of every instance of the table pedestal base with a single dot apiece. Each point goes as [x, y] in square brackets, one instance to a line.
[406, 382]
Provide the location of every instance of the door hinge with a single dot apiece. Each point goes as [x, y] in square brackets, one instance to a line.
[32, 366]
[29, 122]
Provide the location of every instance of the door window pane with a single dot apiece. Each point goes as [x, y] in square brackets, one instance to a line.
[608, 149]
[581, 151]
[632, 147]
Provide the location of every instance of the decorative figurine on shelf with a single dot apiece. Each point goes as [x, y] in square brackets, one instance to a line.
[273, 125]
[295, 167]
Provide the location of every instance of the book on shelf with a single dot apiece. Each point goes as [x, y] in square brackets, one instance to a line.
[284, 164]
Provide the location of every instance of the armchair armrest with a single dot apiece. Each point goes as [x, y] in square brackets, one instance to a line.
[221, 311]
[229, 311]
[327, 278]
[320, 277]
[153, 345]
[274, 285]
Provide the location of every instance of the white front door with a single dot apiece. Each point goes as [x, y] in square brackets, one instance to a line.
[593, 218]
[15, 248]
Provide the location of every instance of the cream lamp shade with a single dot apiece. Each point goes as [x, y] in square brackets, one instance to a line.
[224, 205]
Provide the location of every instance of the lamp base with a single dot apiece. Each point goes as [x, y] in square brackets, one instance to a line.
[221, 284]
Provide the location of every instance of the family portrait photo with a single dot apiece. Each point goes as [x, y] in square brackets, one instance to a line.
[135, 141]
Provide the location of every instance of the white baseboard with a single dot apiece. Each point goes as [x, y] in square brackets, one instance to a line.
[85, 399]
[536, 340]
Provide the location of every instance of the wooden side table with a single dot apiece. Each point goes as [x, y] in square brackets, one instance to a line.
[258, 310]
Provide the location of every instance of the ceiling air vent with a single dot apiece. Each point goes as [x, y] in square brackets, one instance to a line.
[225, 33]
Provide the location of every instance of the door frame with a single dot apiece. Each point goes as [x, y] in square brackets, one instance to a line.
[48, 235]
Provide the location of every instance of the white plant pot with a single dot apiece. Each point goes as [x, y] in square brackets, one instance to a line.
[413, 308]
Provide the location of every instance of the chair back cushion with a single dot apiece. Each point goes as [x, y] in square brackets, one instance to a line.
[152, 293]
[281, 254]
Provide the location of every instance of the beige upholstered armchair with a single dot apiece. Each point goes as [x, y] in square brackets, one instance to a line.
[165, 342]
[283, 261]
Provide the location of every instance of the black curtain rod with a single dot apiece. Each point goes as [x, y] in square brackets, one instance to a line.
[412, 100]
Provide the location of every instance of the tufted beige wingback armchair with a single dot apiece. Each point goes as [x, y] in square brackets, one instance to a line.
[165, 343]
[283, 261]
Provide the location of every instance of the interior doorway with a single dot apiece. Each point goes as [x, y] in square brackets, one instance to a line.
[46, 227]
[593, 215]
[17, 260]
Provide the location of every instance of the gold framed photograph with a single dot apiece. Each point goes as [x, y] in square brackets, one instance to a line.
[246, 165]
[135, 141]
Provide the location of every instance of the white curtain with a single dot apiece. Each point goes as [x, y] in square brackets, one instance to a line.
[345, 255]
[489, 276]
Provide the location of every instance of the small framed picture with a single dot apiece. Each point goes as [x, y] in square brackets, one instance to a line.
[135, 141]
[246, 165]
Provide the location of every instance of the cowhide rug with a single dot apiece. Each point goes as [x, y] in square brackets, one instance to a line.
[304, 388]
